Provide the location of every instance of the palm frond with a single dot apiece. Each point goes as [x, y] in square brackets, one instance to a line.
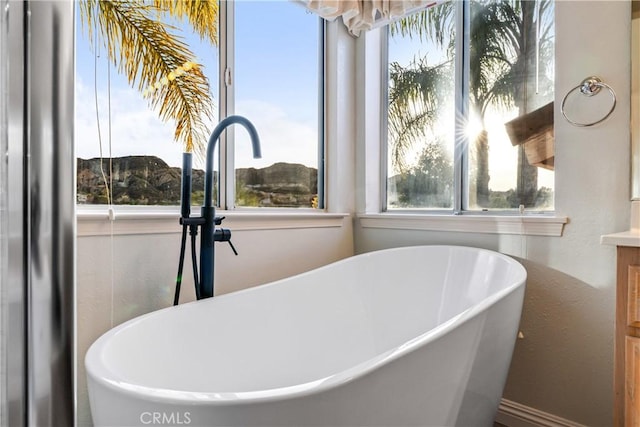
[152, 56]
[435, 23]
[406, 129]
[201, 14]
[415, 96]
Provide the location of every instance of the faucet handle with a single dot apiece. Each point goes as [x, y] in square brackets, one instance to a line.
[218, 220]
[224, 235]
[233, 248]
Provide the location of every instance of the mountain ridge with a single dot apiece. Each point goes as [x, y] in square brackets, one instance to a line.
[149, 180]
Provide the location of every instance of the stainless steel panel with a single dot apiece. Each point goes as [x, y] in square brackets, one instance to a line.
[14, 288]
[4, 264]
[39, 213]
[51, 178]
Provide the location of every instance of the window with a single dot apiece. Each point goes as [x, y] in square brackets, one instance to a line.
[452, 97]
[278, 58]
[267, 67]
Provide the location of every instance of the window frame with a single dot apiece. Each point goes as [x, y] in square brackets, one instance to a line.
[225, 149]
[226, 196]
[461, 140]
[371, 145]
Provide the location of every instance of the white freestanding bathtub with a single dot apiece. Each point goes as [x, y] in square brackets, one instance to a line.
[417, 336]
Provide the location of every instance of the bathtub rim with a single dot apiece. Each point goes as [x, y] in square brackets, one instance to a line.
[106, 377]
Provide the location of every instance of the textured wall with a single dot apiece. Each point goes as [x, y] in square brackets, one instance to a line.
[564, 364]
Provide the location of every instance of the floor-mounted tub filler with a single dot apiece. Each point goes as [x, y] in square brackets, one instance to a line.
[416, 336]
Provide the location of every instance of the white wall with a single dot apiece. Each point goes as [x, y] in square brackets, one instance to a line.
[564, 364]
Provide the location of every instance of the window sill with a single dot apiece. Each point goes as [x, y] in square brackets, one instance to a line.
[132, 220]
[529, 225]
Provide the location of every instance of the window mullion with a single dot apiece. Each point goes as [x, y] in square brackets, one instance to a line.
[384, 121]
[461, 143]
[226, 186]
[322, 105]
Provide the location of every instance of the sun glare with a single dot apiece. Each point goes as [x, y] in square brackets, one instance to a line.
[473, 127]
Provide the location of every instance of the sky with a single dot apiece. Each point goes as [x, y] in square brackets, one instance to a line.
[276, 89]
[275, 80]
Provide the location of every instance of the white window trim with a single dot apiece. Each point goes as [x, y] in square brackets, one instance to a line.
[527, 225]
[370, 149]
[139, 220]
[226, 105]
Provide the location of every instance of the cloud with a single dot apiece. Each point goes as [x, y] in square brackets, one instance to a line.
[282, 138]
[136, 130]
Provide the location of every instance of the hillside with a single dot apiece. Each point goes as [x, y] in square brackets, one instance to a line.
[148, 180]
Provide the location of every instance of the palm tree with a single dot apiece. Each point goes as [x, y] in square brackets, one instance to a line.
[155, 58]
[418, 92]
[503, 54]
[415, 96]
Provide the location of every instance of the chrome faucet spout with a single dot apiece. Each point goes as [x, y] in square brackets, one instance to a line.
[213, 139]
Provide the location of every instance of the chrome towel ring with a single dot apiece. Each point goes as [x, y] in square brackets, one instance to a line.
[590, 87]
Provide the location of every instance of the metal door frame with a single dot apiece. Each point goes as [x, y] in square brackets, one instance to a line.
[39, 284]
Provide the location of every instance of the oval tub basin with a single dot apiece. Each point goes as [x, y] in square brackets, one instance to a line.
[414, 336]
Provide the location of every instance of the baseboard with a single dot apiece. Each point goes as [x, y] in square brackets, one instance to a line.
[513, 414]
